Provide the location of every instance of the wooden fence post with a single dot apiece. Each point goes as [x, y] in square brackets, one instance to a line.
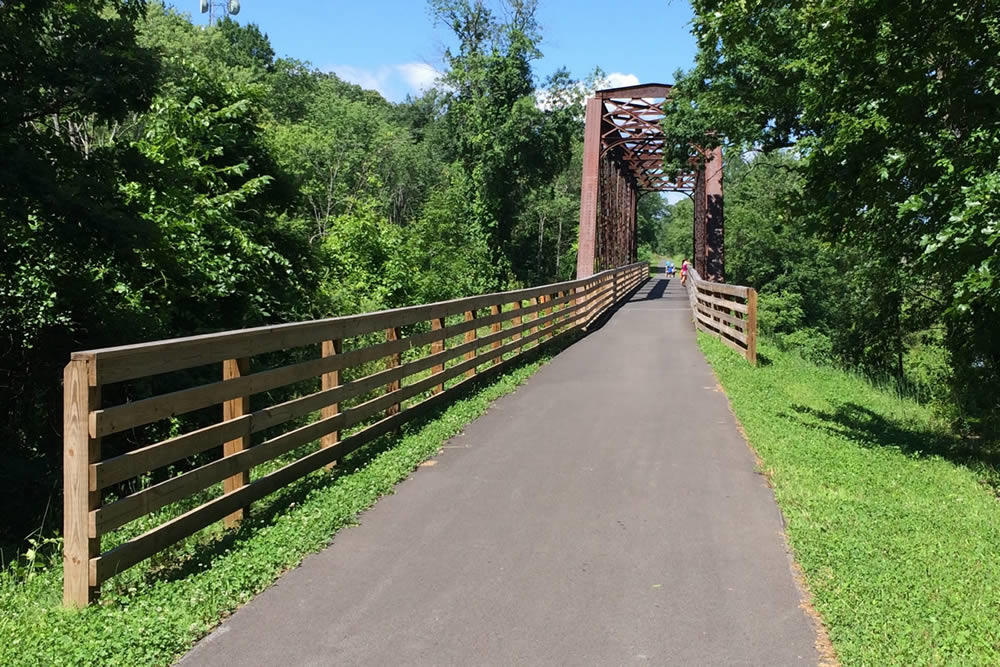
[496, 327]
[470, 335]
[516, 322]
[535, 300]
[751, 326]
[392, 361]
[547, 325]
[437, 347]
[330, 380]
[232, 409]
[559, 309]
[79, 451]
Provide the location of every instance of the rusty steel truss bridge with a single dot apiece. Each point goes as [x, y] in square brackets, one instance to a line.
[623, 158]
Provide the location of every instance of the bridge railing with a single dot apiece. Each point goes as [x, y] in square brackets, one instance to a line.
[337, 385]
[728, 312]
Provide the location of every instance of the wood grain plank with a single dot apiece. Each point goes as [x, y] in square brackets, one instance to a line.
[470, 337]
[724, 303]
[125, 362]
[79, 451]
[736, 322]
[234, 409]
[330, 380]
[437, 347]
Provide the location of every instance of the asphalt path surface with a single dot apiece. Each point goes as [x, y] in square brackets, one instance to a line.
[608, 512]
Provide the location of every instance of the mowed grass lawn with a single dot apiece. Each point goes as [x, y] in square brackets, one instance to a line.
[894, 521]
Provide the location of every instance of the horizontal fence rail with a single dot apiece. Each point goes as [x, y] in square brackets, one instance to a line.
[288, 394]
[728, 312]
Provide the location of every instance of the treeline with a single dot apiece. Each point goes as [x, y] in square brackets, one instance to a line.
[161, 179]
[862, 193]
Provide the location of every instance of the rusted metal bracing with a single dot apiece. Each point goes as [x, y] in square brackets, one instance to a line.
[631, 135]
[623, 152]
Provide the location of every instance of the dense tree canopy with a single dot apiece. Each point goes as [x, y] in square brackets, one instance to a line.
[891, 111]
[162, 179]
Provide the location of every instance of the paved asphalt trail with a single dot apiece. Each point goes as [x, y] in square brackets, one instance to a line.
[606, 513]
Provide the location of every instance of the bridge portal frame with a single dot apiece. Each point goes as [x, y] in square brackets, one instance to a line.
[623, 154]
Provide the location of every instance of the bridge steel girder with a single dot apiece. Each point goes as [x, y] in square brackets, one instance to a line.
[709, 227]
[623, 152]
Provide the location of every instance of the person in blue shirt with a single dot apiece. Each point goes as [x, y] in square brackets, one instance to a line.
[670, 269]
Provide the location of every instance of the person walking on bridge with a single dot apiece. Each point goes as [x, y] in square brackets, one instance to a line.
[684, 271]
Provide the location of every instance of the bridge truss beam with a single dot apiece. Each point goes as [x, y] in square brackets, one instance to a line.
[622, 160]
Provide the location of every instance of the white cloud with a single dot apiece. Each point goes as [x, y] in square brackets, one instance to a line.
[618, 80]
[393, 82]
[419, 76]
[366, 78]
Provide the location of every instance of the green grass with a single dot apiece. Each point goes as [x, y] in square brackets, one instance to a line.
[154, 612]
[895, 522]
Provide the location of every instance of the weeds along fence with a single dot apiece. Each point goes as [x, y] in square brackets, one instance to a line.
[294, 398]
[728, 312]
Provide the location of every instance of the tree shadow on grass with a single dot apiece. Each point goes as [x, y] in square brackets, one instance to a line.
[197, 554]
[870, 429]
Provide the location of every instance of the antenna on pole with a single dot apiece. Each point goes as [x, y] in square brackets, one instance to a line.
[216, 9]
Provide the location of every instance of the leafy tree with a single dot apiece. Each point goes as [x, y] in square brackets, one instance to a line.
[160, 179]
[447, 252]
[893, 111]
[504, 142]
[676, 236]
[70, 73]
[246, 45]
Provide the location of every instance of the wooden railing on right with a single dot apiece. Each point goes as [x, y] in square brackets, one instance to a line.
[294, 398]
[728, 312]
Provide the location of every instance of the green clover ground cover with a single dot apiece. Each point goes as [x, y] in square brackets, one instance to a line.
[895, 522]
[155, 612]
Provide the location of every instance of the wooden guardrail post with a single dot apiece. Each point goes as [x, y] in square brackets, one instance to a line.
[79, 451]
[330, 348]
[535, 300]
[751, 326]
[392, 361]
[437, 347]
[232, 409]
[516, 322]
[547, 325]
[561, 321]
[496, 327]
[470, 336]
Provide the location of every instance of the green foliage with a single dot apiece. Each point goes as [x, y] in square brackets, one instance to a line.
[246, 45]
[448, 254]
[65, 233]
[893, 519]
[503, 141]
[676, 238]
[892, 112]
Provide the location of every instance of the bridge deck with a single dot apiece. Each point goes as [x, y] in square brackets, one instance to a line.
[607, 512]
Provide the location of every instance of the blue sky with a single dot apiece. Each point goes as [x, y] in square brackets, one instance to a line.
[394, 47]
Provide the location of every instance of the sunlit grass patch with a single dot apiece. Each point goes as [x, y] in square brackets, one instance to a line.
[894, 520]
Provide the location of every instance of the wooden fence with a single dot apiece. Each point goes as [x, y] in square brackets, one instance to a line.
[728, 312]
[358, 376]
